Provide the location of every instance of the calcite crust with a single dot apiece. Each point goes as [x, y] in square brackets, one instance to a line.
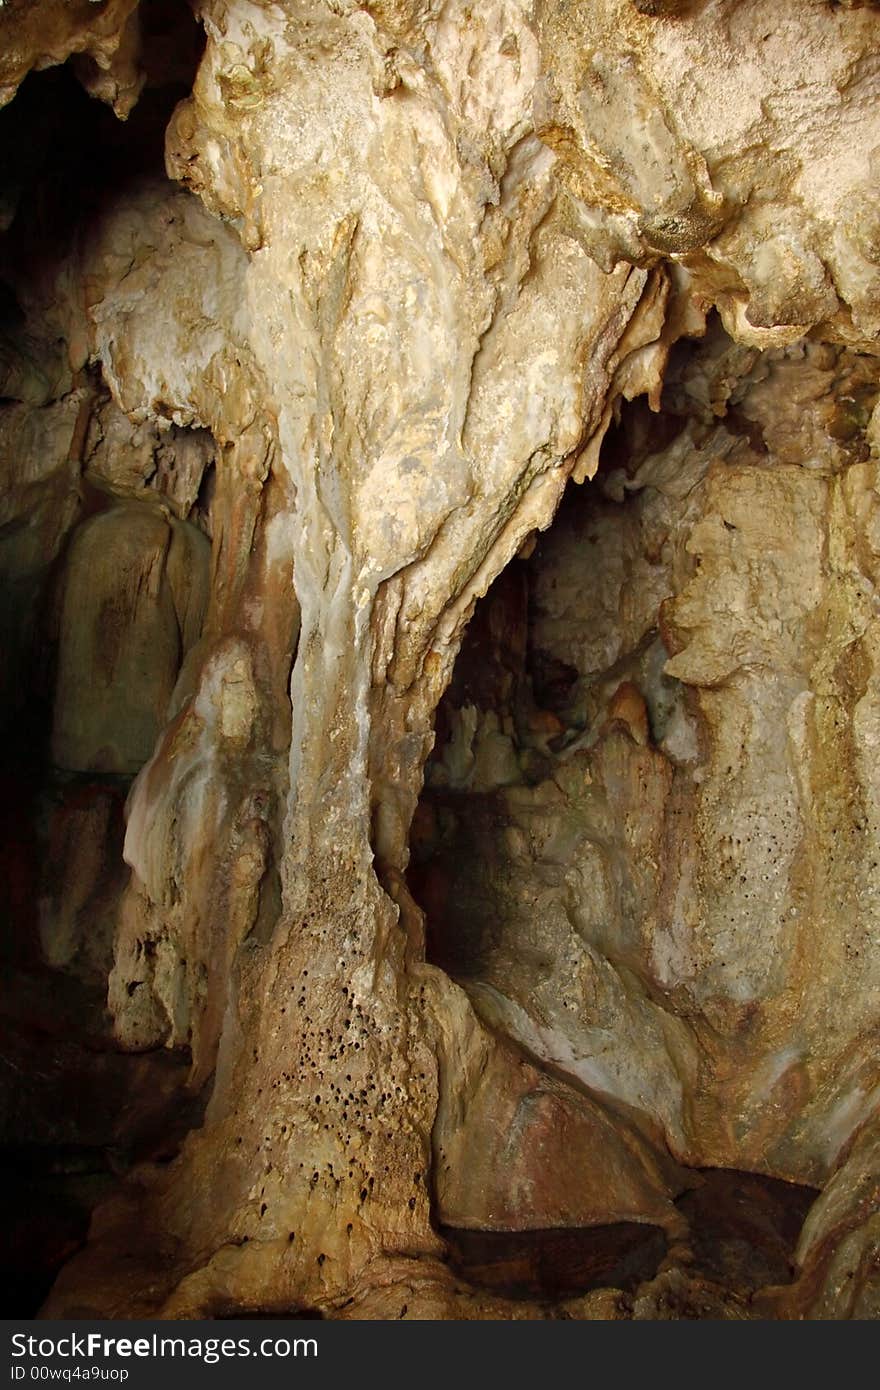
[271, 427]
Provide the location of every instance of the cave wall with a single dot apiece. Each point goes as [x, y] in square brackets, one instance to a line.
[407, 261]
[673, 876]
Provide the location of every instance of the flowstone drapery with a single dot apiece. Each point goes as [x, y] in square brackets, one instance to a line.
[274, 420]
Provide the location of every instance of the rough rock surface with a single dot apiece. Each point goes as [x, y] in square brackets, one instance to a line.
[413, 262]
[666, 895]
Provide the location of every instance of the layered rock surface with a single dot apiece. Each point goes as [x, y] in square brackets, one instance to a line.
[273, 425]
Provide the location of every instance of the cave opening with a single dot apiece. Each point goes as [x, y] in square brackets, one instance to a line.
[557, 846]
[90, 495]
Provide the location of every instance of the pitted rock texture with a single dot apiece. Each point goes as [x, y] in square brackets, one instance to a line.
[274, 420]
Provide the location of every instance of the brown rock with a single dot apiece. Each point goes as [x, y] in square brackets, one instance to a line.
[289, 382]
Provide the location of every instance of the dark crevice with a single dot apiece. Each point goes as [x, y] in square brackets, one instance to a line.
[75, 1112]
[552, 1265]
[742, 1229]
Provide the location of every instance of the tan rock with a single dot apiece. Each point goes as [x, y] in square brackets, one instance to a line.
[135, 591]
[415, 267]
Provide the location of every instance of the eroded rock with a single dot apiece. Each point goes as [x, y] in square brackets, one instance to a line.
[134, 598]
[276, 422]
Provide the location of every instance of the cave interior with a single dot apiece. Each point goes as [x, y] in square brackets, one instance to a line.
[604, 773]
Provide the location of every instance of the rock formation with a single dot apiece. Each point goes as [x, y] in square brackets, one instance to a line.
[414, 871]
